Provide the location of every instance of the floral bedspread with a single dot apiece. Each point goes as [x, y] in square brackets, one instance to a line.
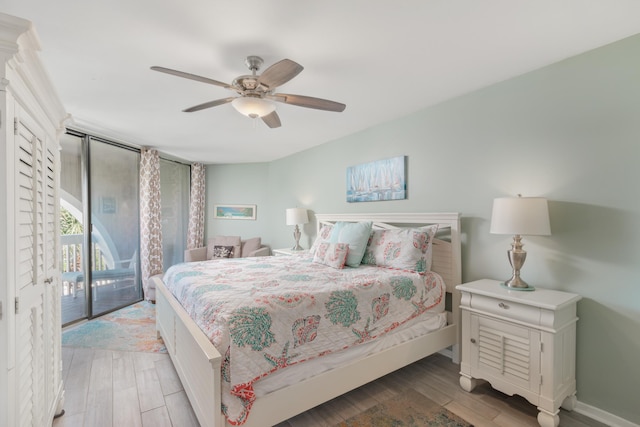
[264, 314]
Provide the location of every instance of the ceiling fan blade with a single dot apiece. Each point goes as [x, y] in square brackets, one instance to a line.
[280, 73]
[191, 76]
[272, 120]
[209, 104]
[308, 102]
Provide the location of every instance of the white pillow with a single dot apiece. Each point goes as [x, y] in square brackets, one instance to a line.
[331, 254]
[401, 248]
[323, 236]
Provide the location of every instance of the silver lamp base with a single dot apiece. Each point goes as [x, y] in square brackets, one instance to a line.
[296, 235]
[517, 284]
[517, 256]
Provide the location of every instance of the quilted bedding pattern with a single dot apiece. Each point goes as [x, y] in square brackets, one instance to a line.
[264, 314]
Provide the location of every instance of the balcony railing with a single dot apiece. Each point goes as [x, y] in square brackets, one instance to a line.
[101, 272]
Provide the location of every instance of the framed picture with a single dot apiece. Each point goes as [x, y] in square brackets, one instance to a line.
[379, 180]
[234, 211]
[108, 205]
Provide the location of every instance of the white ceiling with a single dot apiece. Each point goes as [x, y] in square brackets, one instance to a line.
[384, 59]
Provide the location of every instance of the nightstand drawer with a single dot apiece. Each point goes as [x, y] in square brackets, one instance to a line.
[507, 309]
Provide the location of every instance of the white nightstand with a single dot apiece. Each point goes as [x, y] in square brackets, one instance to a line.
[522, 342]
[288, 251]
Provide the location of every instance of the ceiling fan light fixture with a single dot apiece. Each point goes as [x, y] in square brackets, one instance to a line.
[253, 107]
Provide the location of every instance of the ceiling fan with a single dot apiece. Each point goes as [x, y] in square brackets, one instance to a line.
[257, 91]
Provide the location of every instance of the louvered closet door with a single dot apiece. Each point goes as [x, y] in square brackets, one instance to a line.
[37, 319]
[52, 307]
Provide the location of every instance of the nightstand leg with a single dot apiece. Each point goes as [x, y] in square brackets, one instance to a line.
[569, 403]
[546, 419]
[467, 383]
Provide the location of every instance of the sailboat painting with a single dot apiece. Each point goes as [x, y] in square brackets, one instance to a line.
[379, 180]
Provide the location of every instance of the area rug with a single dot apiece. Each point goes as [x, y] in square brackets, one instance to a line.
[132, 328]
[410, 409]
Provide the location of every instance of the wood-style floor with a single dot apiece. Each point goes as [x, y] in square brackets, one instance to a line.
[128, 389]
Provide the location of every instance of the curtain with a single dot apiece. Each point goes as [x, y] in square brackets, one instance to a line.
[150, 218]
[195, 231]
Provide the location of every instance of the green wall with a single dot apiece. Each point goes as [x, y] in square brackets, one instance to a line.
[569, 132]
[239, 184]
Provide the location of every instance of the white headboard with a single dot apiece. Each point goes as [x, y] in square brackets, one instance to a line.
[446, 247]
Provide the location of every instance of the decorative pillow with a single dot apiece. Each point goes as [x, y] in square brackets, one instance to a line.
[323, 236]
[356, 235]
[222, 252]
[401, 248]
[331, 254]
[250, 245]
[225, 241]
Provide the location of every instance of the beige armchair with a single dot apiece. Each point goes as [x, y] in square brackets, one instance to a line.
[227, 247]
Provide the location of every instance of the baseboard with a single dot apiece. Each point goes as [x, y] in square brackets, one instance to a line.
[447, 352]
[602, 416]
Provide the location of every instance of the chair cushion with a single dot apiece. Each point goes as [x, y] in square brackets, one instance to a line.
[250, 245]
[225, 241]
[198, 254]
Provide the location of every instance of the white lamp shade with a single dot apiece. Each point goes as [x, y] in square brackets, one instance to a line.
[297, 216]
[253, 107]
[520, 215]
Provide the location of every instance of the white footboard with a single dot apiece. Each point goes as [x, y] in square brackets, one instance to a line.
[283, 404]
[196, 360]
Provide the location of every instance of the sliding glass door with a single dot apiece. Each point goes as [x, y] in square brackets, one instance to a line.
[114, 192]
[99, 223]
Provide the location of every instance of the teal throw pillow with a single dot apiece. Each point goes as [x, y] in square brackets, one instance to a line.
[356, 235]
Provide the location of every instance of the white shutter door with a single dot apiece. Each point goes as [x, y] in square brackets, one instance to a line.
[25, 230]
[30, 240]
[506, 351]
[52, 281]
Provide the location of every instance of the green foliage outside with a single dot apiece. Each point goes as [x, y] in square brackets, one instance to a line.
[68, 223]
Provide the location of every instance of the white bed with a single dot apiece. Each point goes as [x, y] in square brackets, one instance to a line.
[198, 362]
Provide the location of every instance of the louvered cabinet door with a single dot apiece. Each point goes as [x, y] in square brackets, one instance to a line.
[37, 303]
[507, 353]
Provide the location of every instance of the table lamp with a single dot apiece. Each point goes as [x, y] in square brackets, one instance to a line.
[519, 216]
[296, 216]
